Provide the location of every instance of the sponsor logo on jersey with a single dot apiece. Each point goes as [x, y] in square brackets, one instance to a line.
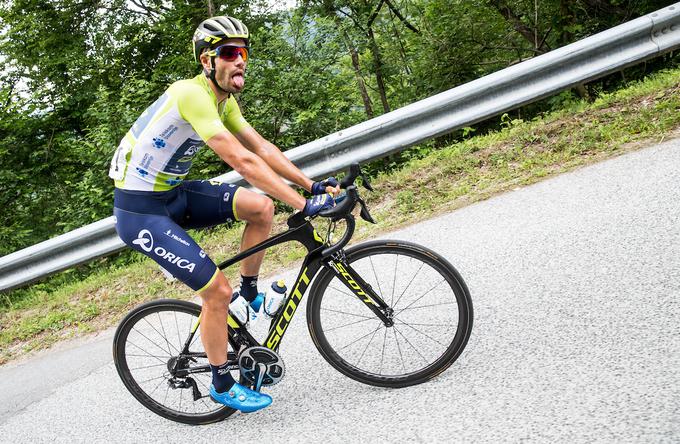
[192, 150]
[173, 181]
[172, 235]
[158, 143]
[145, 242]
[169, 131]
[227, 195]
[142, 172]
[146, 161]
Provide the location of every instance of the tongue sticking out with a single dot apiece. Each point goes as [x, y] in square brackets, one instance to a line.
[238, 81]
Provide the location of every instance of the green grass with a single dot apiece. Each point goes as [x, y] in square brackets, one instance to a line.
[645, 112]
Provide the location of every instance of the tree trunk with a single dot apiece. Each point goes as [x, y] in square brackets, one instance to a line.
[368, 105]
[519, 26]
[402, 51]
[378, 70]
[211, 8]
[568, 18]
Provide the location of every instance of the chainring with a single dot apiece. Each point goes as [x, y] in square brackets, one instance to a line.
[249, 363]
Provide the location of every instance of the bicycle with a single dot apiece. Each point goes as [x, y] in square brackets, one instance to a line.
[347, 310]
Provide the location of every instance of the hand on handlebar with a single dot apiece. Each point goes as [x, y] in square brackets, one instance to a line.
[330, 185]
[318, 203]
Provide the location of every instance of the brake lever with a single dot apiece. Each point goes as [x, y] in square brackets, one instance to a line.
[366, 183]
[365, 215]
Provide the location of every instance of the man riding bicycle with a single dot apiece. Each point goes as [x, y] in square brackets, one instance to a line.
[153, 204]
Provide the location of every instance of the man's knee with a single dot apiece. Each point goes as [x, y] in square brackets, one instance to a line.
[218, 295]
[263, 211]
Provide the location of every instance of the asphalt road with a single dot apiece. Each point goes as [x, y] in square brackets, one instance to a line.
[576, 290]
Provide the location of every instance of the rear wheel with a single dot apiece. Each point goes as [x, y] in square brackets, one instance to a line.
[147, 351]
[430, 307]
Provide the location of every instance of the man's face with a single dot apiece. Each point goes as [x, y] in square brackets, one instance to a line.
[229, 74]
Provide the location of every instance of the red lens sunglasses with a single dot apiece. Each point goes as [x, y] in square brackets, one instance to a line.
[229, 53]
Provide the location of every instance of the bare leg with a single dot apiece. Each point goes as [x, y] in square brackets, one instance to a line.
[258, 212]
[214, 313]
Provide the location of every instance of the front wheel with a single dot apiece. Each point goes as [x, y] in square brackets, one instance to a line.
[429, 305]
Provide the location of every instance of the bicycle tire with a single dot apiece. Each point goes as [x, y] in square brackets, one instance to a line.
[326, 286]
[122, 355]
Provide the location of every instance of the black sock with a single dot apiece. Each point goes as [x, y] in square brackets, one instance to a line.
[221, 377]
[249, 287]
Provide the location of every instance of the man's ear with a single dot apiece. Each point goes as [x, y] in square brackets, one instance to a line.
[205, 62]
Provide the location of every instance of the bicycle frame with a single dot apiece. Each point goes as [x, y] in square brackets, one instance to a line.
[301, 230]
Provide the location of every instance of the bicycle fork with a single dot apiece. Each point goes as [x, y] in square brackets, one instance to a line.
[362, 290]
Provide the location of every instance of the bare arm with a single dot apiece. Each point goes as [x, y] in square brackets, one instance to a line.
[266, 150]
[254, 169]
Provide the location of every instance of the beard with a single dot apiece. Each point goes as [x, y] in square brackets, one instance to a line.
[232, 83]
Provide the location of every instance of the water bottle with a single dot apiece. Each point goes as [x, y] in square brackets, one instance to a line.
[240, 308]
[273, 301]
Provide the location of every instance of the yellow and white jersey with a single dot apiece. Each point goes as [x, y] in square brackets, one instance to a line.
[156, 154]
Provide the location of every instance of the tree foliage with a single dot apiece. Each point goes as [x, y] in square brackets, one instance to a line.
[77, 73]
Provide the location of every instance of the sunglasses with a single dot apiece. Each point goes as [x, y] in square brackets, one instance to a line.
[229, 53]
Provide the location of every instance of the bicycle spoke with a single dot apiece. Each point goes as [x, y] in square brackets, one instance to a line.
[394, 281]
[156, 388]
[359, 339]
[165, 335]
[347, 325]
[423, 295]
[403, 365]
[144, 356]
[409, 284]
[409, 343]
[367, 345]
[148, 366]
[143, 335]
[382, 357]
[159, 334]
[422, 333]
[351, 295]
[347, 313]
[377, 281]
[179, 339]
[425, 325]
[144, 351]
[150, 379]
[429, 305]
[193, 341]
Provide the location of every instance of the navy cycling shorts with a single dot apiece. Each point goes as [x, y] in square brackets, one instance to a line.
[153, 223]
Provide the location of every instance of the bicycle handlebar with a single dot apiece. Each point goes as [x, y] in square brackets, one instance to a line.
[343, 210]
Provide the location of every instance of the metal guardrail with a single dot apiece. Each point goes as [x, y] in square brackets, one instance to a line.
[532, 80]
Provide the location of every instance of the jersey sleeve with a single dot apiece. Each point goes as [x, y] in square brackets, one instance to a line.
[232, 117]
[196, 107]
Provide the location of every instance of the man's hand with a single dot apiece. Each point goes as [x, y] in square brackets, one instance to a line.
[329, 185]
[318, 203]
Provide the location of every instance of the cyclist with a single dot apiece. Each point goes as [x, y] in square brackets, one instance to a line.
[153, 204]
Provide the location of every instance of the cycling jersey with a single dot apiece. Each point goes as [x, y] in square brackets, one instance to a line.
[156, 154]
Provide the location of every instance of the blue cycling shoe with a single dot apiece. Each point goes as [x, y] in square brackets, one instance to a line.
[241, 398]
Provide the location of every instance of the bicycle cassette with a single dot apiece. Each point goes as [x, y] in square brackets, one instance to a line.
[261, 366]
